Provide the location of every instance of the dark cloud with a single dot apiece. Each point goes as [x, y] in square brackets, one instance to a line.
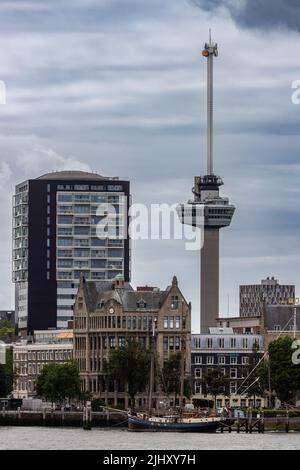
[260, 14]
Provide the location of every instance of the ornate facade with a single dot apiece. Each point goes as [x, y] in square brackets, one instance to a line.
[106, 314]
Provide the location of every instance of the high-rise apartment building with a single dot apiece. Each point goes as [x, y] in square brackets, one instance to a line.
[66, 224]
[254, 297]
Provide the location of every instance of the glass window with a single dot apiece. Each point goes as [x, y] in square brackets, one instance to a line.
[165, 322]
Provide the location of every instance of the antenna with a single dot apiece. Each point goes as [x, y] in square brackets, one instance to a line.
[210, 50]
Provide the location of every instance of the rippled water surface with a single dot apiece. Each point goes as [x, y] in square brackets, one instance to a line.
[118, 439]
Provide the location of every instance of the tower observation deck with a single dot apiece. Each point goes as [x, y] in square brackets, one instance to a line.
[215, 212]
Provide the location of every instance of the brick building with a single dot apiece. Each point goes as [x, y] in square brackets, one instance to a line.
[106, 314]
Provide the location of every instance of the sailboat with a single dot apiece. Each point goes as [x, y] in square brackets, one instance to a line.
[181, 420]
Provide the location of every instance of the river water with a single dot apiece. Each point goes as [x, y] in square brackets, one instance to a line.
[35, 438]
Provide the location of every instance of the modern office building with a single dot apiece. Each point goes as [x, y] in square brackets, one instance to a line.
[231, 353]
[107, 314]
[254, 297]
[66, 224]
[209, 212]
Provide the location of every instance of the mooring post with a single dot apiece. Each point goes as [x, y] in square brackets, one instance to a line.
[250, 420]
[62, 416]
[19, 415]
[287, 423]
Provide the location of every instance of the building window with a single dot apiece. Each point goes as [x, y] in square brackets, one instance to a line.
[165, 343]
[221, 343]
[177, 323]
[219, 403]
[165, 323]
[233, 388]
[221, 360]
[233, 360]
[198, 373]
[175, 302]
[245, 343]
[209, 343]
[245, 360]
[171, 343]
[171, 323]
[210, 360]
[177, 343]
[233, 373]
[198, 388]
[198, 359]
[233, 343]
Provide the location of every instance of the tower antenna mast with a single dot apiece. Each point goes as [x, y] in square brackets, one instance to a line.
[210, 51]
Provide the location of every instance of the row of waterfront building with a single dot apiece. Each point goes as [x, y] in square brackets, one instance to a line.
[71, 269]
[106, 314]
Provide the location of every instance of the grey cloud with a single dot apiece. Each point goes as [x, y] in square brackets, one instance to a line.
[260, 14]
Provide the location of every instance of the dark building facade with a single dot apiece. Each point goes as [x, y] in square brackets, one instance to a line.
[8, 315]
[64, 224]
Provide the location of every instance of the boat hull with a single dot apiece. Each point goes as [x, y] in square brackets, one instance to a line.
[138, 424]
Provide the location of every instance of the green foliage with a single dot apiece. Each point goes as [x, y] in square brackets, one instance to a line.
[171, 374]
[7, 375]
[214, 382]
[97, 404]
[59, 382]
[6, 328]
[285, 376]
[130, 365]
[170, 377]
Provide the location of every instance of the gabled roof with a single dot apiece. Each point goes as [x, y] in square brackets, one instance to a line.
[97, 292]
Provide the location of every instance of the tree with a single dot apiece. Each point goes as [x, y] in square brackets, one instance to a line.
[6, 328]
[170, 377]
[58, 382]
[170, 374]
[7, 375]
[284, 375]
[214, 383]
[130, 365]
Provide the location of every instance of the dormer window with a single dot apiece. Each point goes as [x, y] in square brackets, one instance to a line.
[101, 304]
[141, 304]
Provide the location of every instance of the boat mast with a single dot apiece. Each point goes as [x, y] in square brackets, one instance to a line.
[182, 373]
[151, 385]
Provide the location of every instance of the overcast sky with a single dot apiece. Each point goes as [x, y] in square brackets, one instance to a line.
[118, 87]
